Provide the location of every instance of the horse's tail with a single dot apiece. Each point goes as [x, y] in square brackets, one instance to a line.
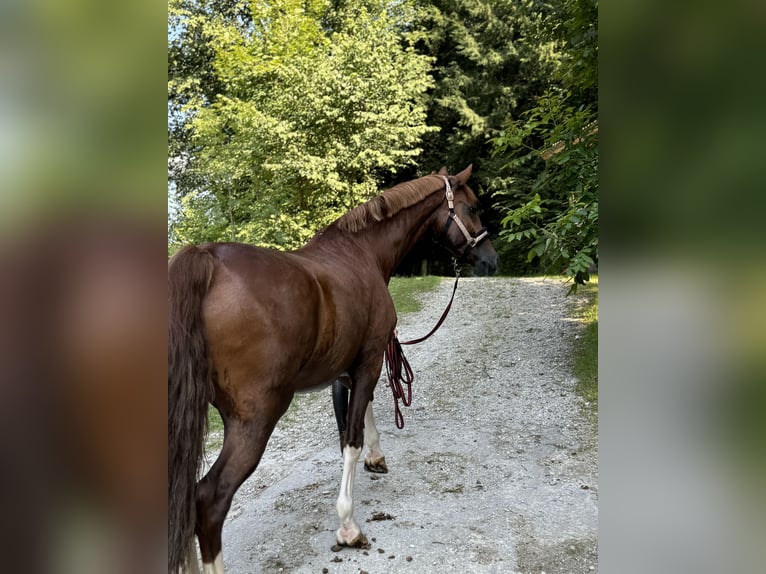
[190, 388]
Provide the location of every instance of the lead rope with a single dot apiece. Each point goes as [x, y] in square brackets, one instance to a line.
[398, 370]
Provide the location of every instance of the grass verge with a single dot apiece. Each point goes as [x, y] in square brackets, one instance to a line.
[586, 346]
[405, 292]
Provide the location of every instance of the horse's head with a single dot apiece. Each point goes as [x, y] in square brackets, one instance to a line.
[458, 226]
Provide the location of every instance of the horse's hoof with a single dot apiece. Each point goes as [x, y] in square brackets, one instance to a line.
[360, 541]
[377, 465]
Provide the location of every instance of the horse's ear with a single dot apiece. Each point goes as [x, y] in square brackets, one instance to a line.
[443, 171]
[463, 176]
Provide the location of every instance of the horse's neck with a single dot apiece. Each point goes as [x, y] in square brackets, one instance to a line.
[389, 241]
[383, 244]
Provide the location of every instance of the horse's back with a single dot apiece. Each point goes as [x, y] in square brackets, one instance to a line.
[271, 315]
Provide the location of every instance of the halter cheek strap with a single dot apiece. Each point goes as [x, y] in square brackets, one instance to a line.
[472, 241]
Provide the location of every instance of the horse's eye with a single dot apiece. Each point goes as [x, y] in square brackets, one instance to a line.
[473, 209]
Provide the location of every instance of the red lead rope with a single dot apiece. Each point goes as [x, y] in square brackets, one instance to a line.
[398, 370]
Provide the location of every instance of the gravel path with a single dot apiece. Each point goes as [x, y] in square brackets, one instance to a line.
[495, 470]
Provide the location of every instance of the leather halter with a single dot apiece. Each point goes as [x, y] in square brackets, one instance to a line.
[470, 239]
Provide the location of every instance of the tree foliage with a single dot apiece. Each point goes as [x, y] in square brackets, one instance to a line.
[551, 204]
[490, 63]
[285, 114]
[293, 117]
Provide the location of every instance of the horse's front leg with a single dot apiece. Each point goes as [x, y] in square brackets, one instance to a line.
[363, 380]
[374, 461]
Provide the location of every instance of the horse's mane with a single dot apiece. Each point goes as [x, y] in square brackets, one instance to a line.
[389, 203]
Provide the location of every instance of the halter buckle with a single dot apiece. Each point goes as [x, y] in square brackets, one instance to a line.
[449, 195]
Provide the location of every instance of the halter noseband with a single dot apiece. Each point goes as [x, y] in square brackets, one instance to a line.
[471, 241]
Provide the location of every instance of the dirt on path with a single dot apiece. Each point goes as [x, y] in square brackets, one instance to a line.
[495, 470]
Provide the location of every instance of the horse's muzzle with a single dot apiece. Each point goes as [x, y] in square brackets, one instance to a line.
[485, 265]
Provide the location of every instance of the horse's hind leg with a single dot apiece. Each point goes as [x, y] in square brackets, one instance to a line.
[193, 563]
[374, 461]
[243, 446]
[349, 533]
[364, 378]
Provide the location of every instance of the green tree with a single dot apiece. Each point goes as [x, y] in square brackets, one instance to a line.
[290, 115]
[551, 202]
[191, 76]
[490, 63]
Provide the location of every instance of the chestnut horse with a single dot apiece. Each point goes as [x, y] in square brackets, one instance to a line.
[249, 327]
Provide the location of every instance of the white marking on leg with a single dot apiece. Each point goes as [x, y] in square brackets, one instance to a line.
[348, 530]
[371, 435]
[215, 568]
[193, 563]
